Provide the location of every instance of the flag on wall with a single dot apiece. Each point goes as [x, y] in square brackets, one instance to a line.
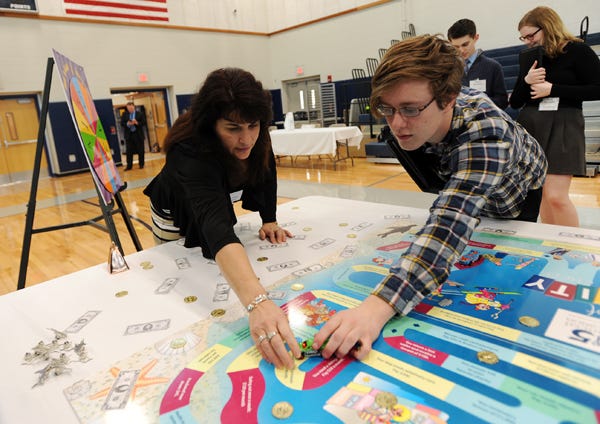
[138, 10]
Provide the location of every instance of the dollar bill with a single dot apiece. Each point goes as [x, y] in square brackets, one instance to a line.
[308, 270]
[82, 321]
[283, 265]
[182, 263]
[166, 285]
[121, 390]
[361, 226]
[349, 251]
[146, 327]
[322, 243]
[272, 246]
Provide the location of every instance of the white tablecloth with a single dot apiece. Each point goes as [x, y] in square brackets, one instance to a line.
[313, 141]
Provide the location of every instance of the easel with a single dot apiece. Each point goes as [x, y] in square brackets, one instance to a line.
[107, 210]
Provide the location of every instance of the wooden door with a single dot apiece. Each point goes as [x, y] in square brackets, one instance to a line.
[18, 136]
[161, 125]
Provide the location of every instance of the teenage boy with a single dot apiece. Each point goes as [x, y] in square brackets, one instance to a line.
[490, 166]
[481, 72]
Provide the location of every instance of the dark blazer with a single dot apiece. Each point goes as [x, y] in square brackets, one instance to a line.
[488, 69]
[140, 117]
[193, 188]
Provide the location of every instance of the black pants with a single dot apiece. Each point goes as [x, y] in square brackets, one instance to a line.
[530, 208]
[135, 144]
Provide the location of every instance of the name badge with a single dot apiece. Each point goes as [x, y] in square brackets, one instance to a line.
[549, 103]
[477, 84]
[236, 196]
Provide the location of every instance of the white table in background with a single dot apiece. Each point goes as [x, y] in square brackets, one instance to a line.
[316, 141]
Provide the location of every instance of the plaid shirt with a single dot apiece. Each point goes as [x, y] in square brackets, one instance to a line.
[489, 163]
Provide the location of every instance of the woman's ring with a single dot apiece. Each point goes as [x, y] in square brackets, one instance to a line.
[261, 339]
[271, 335]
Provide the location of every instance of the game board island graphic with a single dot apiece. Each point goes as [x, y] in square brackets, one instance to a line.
[465, 355]
[89, 128]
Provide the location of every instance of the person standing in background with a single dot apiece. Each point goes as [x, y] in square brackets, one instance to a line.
[481, 72]
[133, 122]
[551, 95]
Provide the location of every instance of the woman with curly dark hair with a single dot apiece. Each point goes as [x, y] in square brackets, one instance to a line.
[220, 152]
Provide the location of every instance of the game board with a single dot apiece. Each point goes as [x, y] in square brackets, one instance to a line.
[513, 336]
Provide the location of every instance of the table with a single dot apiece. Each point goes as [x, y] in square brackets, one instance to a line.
[513, 338]
[316, 141]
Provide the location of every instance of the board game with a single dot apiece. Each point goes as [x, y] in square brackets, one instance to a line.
[513, 336]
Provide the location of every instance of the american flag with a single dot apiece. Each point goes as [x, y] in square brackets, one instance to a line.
[138, 10]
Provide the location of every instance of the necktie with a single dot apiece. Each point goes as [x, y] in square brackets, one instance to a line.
[131, 117]
[467, 65]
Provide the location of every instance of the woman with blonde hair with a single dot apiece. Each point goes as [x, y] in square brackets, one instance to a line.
[551, 95]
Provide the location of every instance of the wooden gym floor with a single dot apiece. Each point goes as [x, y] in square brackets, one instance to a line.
[62, 200]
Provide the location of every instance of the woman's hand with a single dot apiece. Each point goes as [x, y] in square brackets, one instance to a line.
[273, 232]
[271, 331]
[541, 90]
[354, 330]
[535, 75]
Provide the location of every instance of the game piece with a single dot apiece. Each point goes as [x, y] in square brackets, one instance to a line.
[56, 355]
[306, 349]
[218, 313]
[58, 334]
[529, 321]
[190, 299]
[262, 259]
[282, 410]
[487, 357]
[297, 286]
[121, 293]
[116, 261]
[351, 236]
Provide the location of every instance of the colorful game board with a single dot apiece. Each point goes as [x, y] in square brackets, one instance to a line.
[89, 127]
[512, 337]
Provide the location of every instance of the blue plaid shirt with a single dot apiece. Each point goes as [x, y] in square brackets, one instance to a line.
[489, 163]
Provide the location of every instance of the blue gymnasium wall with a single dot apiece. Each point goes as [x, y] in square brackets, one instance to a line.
[67, 141]
[184, 101]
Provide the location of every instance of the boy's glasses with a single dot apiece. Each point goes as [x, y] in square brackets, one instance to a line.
[405, 111]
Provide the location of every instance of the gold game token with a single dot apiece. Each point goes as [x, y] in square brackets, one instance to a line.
[218, 312]
[386, 399]
[146, 265]
[307, 229]
[529, 321]
[262, 259]
[121, 293]
[351, 236]
[282, 410]
[190, 299]
[487, 357]
[297, 286]
[178, 343]
[343, 224]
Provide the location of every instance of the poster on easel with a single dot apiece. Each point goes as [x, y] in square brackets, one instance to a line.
[89, 128]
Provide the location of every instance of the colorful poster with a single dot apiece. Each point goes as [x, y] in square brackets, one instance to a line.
[89, 128]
